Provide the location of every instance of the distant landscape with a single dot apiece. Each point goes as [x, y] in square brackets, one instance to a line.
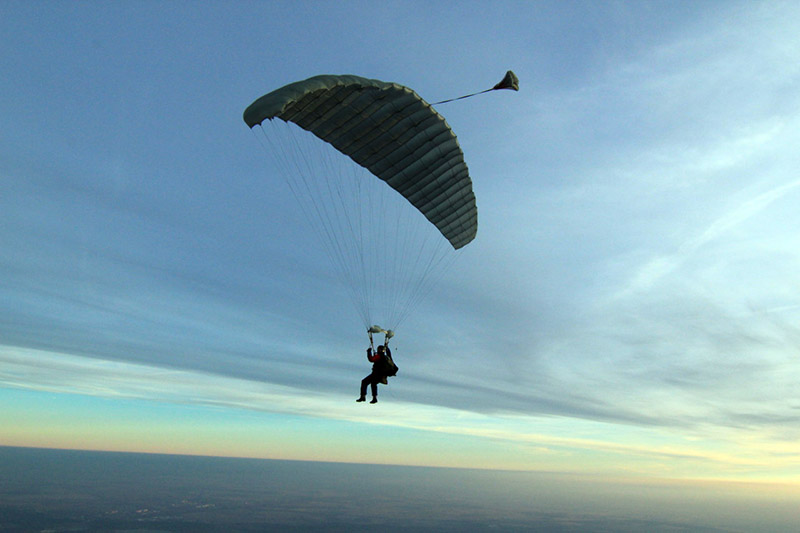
[60, 491]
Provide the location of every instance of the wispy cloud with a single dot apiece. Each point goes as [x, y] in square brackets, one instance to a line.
[658, 267]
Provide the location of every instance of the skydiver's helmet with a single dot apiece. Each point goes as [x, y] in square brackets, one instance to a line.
[381, 349]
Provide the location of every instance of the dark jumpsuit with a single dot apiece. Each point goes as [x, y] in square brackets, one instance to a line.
[378, 373]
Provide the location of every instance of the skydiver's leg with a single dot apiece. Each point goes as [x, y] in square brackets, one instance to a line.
[364, 383]
[374, 382]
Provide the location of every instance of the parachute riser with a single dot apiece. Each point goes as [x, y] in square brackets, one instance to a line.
[388, 334]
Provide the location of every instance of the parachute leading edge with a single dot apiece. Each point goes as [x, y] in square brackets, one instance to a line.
[392, 132]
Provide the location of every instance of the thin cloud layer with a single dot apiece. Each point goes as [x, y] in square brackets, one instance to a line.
[554, 437]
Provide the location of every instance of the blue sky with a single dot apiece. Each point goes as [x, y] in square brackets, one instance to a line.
[630, 304]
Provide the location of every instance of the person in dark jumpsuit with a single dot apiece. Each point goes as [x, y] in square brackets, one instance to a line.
[378, 375]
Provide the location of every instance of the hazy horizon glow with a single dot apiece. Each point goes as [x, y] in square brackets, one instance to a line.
[178, 407]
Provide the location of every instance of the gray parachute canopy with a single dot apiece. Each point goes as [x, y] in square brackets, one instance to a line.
[392, 132]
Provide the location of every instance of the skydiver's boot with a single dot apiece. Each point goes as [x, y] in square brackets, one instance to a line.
[361, 399]
[374, 399]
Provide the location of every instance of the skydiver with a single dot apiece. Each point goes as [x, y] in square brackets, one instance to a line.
[379, 372]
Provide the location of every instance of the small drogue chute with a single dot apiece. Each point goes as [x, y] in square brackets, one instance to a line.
[509, 81]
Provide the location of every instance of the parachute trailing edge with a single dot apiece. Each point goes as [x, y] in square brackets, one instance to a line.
[392, 132]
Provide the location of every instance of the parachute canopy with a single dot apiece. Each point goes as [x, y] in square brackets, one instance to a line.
[392, 132]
